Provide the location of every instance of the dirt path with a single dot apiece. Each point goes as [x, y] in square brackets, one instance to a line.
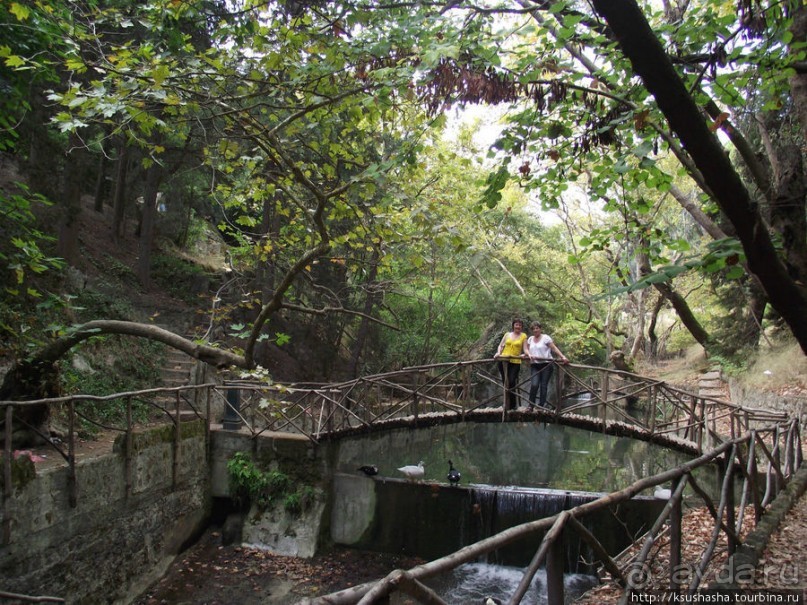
[784, 562]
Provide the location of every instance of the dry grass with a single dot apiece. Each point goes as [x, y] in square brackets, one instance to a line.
[777, 367]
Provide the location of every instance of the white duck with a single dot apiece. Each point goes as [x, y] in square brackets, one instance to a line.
[413, 472]
[662, 493]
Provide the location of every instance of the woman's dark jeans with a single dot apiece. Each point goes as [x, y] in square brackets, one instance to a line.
[510, 381]
[539, 381]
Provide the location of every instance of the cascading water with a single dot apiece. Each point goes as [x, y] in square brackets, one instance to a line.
[501, 508]
[474, 582]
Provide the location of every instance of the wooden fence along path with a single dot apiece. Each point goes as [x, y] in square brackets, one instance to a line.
[761, 447]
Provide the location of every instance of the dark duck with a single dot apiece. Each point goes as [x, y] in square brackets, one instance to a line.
[453, 474]
[369, 469]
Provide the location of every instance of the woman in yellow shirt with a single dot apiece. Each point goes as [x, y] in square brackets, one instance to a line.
[509, 354]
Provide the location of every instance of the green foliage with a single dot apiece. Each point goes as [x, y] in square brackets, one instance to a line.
[249, 484]
[103, 300]
[734, 365]
[318, 153]
[178, 276]
[21, 252]
[112, 365]
[117, 270]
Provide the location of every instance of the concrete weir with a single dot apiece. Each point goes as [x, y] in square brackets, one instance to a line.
[431, 520]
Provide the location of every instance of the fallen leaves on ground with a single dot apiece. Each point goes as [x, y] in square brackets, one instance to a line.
[212, 574]
[784, 562]
[697, 527]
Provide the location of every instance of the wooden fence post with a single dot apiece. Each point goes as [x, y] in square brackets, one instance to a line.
[127, 460]
[703, 428]
[604, 395]
[730, 515]
[554, 573]
[777, 459]
[415, 381]
[8, 488]
[72, 487]
[675, 543]
[176, 446]
[207, 420]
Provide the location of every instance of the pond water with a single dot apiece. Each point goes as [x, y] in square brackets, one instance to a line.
[525, 454]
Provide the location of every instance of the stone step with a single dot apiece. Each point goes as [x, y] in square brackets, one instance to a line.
[713, 393]
[710, 384]
[713, 375]
[176, 371]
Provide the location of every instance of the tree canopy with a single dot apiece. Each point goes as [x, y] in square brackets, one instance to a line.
[313, 134]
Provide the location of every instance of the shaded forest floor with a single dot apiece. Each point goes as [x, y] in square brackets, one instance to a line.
[211, 574]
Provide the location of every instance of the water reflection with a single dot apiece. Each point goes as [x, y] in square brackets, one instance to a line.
[529, 454]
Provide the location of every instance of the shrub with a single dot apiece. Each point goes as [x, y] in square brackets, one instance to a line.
[249, 484]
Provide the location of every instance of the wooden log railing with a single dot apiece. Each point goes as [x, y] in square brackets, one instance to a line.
[154, 398]
[460, 388]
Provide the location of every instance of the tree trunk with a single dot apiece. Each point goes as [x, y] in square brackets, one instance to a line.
[651, 328]
[638, 340]
[787, 204]
[267, 270]
[153, 178]
[798, 81]
[650, 62]
[100, 183]
[42, 149]
[119, 200]
[678, 302]
[757, 301]
[67, 246]
[369, 302]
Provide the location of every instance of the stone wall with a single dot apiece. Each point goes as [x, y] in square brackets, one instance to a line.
[767, 400]
[112, 545]
[306, 464]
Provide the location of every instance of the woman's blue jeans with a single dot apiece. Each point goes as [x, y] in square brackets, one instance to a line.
[539, 382]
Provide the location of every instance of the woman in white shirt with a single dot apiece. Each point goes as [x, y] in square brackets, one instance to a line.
[539, 348]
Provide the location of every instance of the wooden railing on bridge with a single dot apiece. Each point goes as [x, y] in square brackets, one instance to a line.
[460, 388]
[739, 439]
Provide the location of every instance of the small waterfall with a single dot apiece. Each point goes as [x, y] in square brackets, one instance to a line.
[432, 520]
[499, 508]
